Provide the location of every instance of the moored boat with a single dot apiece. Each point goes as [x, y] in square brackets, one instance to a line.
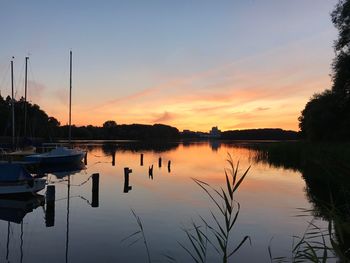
[15, 179]
[59, 155]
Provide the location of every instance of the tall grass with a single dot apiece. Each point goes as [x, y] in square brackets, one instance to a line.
[318, 244]
[217, 234]
[138, 235]
[311, 247]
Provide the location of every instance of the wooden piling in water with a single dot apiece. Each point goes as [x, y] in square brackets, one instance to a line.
[127, 172]
[113, 158]
[95, 190]
[50, 206]
[160, 162]
[150, 172]
[85, 158]
[169, 164]
[141, 159]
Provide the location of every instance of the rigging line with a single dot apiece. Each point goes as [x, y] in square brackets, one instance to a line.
[63, 182]
[67, 229]
[20, 80]
[21, 247]
[8, 241]
[33, 82]
[32, 229]
[15, 84]
[85, 199]
[65, 198]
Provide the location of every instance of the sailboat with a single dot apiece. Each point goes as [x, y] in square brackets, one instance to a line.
[61, 155]
[30, 149]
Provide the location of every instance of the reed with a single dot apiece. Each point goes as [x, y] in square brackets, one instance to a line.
[311, 247]
[138, 235]
[320, 244]
[218, 234]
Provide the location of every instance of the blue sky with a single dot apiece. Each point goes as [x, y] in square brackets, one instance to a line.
[124, 51]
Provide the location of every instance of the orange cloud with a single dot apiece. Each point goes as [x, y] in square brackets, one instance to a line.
[264, 90]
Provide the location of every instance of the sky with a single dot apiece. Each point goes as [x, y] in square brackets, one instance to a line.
[192, 64]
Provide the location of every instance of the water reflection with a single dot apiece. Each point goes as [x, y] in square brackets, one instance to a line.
[127, 187]
[169, 166]
[95, 209]
[215, 145]
[327, 189]
[137, 146]
[13, 209]
[150, 172]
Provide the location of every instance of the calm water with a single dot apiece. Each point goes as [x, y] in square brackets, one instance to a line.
[80, 232]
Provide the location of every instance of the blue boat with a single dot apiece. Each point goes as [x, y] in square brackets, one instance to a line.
[57, 156]
[15, 179]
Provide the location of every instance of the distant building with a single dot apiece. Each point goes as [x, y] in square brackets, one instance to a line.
[215, 132]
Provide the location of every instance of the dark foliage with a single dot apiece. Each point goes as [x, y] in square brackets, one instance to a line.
[325, 169]
[327, 115]
[39, 124]
[132, 132]
[260, 134]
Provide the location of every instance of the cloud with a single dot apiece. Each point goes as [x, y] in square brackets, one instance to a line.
[62, 96]
[35, 91]
[261, 108]
[245, 92]
[164, 117]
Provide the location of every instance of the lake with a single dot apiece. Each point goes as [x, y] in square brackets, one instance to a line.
[86, 228]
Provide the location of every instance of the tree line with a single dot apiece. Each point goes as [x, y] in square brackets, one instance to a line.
[327, 115]
[40, 125]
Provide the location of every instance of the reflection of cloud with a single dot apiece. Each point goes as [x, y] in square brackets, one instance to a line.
[166, 116]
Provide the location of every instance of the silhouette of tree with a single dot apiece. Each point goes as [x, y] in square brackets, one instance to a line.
[39, 124]
[109, 124]
[341, 63]
[327, 115]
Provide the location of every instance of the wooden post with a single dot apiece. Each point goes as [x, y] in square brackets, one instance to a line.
[85, 158]
[95, 190]
[127, 187]
[160, 162]
[150, 172]
[169, 164]
[113, 158]
[141, 159]
[50, 206]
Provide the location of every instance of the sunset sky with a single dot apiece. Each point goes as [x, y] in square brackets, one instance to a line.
[191, 64]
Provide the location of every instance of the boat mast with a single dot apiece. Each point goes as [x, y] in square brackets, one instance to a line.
[25, 98]
[12, 106]
[70, 97]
